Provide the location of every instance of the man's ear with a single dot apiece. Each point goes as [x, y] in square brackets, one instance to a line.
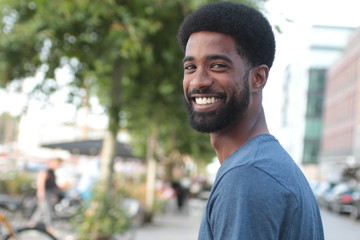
[259, 77]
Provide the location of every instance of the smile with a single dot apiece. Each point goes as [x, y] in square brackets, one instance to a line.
[206, 100]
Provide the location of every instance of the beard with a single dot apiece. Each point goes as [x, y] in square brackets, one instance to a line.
[214, 121]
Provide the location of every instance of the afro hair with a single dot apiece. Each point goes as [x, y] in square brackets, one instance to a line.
[250, 29]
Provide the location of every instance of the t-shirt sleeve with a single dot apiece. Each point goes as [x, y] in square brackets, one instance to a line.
[249, 204]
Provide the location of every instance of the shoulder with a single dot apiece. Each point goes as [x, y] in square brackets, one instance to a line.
[248, 180]
[42, 174]
[247, 202]
[261, 158]
[260, 166]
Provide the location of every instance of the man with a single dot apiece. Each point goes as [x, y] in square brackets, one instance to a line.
[47, 189]
[259, 191]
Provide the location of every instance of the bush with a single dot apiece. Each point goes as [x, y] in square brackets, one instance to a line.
[15, 183]
[102, 218]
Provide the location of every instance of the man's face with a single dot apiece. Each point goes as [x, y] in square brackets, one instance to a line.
[215, 83]
[54, 164]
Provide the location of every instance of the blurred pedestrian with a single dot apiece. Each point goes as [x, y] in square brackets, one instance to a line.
[167, 194]
[259, 191]
[48, 193]
[89, 176]
[179, 193]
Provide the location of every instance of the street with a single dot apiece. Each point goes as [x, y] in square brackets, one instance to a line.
[340, 227]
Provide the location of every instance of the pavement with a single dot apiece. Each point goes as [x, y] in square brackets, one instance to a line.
[170, 226]
[174, 226]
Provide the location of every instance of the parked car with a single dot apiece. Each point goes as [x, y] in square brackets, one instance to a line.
[322, 193]
[355, 208]
[340, 199]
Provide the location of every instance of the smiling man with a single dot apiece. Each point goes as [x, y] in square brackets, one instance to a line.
[259, 191]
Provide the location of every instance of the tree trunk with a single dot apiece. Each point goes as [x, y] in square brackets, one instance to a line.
[85, 111]
[107, 160]
[151, 170]
[110, 141]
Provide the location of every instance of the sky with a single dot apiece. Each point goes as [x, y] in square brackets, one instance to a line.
[294, 18]
[321, 12]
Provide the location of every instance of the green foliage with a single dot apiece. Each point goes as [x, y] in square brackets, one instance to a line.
[157, 88]
[102, 218]
[14, 182]
[8, 128]
[125, 52]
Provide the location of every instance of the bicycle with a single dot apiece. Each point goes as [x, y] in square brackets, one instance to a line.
[22, 233]
[63, 207]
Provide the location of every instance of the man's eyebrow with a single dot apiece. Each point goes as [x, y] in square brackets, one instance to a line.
[210, 57]
[188, 58]
[222, 57]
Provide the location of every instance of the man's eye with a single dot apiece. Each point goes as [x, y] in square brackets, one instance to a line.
[218, 65]
[189, 67]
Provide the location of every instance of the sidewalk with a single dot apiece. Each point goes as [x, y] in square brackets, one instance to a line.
[174, 227]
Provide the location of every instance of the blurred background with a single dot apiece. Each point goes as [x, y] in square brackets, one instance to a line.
[99, 84]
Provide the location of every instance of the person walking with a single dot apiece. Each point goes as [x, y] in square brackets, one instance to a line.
[47, 189]
[259, 191]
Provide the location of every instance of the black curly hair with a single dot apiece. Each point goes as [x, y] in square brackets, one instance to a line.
[251, 30]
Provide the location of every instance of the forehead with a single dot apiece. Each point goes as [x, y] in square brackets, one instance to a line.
[203, 43]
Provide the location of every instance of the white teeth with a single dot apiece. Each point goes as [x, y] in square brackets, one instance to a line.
[206, 100]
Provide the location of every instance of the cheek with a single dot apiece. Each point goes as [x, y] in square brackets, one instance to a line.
[185, 90]
[235, 88]
[185, 84]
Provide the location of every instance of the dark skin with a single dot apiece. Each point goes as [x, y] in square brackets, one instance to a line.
[212, 61]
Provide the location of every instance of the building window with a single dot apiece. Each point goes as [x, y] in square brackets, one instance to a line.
[314, 111]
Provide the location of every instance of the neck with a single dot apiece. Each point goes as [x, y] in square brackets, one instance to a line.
[228, 140]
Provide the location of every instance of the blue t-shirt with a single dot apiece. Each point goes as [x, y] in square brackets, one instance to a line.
[261, 194]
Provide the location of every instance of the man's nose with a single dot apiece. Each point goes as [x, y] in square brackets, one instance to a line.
[201, 79]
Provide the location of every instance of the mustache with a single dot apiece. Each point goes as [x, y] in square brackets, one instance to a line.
[205, 91]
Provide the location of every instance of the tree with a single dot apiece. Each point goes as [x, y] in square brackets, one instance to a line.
[8, 128]
[102, 42]
[96, 39]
